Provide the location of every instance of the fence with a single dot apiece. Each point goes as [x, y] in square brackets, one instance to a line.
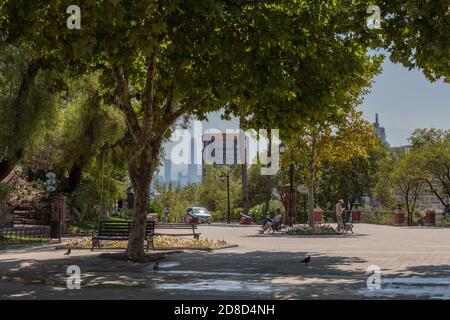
[31, 232]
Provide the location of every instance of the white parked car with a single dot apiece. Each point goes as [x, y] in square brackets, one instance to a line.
[197, 215]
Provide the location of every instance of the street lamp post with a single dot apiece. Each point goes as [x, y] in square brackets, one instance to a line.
[224, 175]
[291, 192]
[290, 206]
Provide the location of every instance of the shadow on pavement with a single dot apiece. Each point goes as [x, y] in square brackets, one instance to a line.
[188, 275]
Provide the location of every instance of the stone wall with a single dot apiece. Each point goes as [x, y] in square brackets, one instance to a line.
[6, 215]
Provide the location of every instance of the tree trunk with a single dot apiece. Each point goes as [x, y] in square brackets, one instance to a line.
[269, 177]
[141, 167]
[74, 176]
[312, 181]
[311, 203]
[243, 151]
[5, 169]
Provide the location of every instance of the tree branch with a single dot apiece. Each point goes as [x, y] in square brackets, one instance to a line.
[125, 103]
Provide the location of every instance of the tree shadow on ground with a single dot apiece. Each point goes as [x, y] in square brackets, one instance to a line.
[190, 275]
[315, 236]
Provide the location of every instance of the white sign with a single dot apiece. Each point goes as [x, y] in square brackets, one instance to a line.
[302, 189]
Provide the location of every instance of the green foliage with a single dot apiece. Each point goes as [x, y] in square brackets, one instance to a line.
[212, 192]
[155, 207]
[27, 103]
[123, 214]
[349, 180]
[432, 147]
[258, 212]
[379, 217]
[416, 34]
[5, 190]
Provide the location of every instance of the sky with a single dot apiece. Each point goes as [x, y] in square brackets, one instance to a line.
[406, 100]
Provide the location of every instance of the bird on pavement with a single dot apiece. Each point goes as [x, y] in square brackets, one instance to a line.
[306, 260]
[156, 266]
[68, 252]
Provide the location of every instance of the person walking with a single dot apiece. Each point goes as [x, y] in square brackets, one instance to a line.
[339, 211]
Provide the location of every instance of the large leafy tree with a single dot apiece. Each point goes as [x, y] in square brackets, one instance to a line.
[432, 147]
[407, 181]
[163, 60]
[337, 140]
[349, 180]
[27, 102]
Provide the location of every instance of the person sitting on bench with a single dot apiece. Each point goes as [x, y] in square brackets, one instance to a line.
[267, 220]
[275, 224]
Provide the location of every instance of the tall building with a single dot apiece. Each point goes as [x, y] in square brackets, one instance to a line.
[167, 171]
[381, 132]
[194, 171]
[222, 149]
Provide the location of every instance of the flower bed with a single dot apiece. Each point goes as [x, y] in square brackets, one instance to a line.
[160, 243]
[321, 229]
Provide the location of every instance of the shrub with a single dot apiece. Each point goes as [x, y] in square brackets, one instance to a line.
[320, 228]
[258, 212]
[5, 191]
[125, 214]
[155, 207]
[379, 217]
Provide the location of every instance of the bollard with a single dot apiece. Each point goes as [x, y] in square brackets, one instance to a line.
[356, 216]
[430, 218]
[317, 215]
[399, 218]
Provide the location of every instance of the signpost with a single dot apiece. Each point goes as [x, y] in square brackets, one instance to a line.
[58, 205]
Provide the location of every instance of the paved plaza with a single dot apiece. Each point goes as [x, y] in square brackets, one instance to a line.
[414, 263]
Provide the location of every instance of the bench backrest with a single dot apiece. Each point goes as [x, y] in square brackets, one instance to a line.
[122, 228]
[175, 226]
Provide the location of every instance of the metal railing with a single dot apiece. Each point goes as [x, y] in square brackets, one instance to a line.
[29, 232]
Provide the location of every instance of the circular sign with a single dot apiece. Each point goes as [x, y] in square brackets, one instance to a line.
[50, 175]
[302, 189]
[51, 188]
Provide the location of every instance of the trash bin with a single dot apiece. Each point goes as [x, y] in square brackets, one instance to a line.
[317, 215]
[356, 216]
[399, 218]
[430, 218]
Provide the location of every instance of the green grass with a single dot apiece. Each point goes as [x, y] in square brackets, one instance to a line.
[83, 228]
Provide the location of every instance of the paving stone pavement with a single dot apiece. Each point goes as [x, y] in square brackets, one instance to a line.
[414, 263]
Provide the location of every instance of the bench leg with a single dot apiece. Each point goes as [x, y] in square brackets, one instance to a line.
[95, 243]
[150, 243]
[196, 236]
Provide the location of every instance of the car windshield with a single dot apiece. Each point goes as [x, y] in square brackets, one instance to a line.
[200, 210]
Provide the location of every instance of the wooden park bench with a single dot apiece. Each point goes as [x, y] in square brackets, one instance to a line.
[120, 230]
[178, 226]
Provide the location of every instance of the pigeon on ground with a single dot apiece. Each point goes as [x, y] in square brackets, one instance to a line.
[156, 266]
[68, 252]
[306, 260]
